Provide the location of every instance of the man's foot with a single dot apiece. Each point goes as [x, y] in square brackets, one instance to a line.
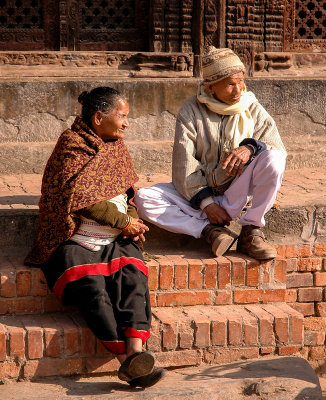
[137, 365]
[219, 237]
[252, 242]
[149, 380]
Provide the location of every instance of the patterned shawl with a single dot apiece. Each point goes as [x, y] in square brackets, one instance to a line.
[82, 170]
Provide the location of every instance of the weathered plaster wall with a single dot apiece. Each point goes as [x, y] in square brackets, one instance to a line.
[34, 113]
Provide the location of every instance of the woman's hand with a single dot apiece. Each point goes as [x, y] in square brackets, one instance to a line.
[217, 215]
[135, 229]
[236, 160]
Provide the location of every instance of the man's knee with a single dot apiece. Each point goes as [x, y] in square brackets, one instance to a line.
[272, 161]
[146, 193]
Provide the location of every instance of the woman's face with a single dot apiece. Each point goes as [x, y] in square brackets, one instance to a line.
[113, 124]
[228, 90]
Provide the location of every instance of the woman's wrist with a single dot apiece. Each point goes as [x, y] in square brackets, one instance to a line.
[129, 222]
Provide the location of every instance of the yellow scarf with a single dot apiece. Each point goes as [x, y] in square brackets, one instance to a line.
[240, 124]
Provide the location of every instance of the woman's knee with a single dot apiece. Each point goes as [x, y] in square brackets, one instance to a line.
[87, 290]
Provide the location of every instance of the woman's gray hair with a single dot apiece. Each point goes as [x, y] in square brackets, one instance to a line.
[102, 98]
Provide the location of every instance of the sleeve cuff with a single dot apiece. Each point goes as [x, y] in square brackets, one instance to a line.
[257, 144]
[206, 202]
[196, 200]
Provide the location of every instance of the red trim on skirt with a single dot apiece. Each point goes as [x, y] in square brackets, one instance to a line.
[79, 271]
[119, 347]
[115, 347]
[130, 332]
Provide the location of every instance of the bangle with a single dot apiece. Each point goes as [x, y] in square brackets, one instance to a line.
[128, 223]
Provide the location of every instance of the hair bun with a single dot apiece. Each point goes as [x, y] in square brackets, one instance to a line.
[82, 97]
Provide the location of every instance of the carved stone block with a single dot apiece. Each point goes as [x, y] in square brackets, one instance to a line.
[127, 64]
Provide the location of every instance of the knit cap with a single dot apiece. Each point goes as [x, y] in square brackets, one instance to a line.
[218, 64]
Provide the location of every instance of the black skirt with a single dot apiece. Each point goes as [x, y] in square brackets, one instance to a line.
[109, 286]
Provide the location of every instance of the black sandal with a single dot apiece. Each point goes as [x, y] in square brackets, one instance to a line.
[149, 380]
[136, 365]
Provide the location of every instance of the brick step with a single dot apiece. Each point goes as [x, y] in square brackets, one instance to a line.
[174, 280]
[61, 344]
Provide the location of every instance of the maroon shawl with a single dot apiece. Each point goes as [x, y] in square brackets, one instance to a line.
[82, 170]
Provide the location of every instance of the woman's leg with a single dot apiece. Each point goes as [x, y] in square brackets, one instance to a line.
[91, 298]
[90, 280]
[129, 294]
[133, 345]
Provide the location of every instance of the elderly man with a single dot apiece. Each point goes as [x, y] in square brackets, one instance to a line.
[227, 151]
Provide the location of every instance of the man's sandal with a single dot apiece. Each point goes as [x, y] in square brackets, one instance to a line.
[136, 365]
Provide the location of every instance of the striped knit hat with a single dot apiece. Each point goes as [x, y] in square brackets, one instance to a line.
[219, 64]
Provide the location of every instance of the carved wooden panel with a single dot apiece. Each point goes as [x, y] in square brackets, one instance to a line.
[107, 24]
[245, 29]
[305, 25]
[29, 25]
[171, 25]
[245, 22]
[185, 26]
[274, 22]
[211, 23]
[157, 26]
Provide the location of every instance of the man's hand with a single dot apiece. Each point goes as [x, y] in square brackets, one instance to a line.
[236, 160]
[217, 215]
[135, 230]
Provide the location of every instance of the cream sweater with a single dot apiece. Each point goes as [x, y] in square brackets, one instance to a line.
[198, 146]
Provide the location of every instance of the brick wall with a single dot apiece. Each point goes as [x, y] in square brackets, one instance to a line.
[305, 281]
[188, 328]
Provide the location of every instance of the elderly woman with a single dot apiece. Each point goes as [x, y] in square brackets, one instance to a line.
[88, 232]
[227, 150]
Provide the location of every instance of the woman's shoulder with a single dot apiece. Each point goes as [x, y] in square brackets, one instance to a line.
[76, 140]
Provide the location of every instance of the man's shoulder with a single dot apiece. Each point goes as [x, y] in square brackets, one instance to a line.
[190, 102]
[189, 105]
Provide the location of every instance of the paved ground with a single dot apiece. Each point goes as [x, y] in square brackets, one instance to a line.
[210, 382]
[300, 187]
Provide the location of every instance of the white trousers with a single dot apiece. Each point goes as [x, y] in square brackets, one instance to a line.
[259, 182]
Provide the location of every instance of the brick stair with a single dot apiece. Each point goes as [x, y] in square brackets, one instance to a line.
[205, 310]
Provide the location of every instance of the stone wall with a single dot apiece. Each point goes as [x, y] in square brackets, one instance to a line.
[34, 113]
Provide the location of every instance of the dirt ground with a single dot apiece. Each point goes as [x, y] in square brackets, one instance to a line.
[182, 384]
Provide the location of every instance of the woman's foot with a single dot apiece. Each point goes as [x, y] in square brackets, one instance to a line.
[137, 365]
[149, 380]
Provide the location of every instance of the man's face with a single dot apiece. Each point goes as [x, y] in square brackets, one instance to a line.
[228, 90]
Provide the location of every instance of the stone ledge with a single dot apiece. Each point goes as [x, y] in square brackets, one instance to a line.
[298, 216]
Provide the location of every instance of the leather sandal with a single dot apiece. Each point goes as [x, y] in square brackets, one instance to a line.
[149, 380]
[136, 365]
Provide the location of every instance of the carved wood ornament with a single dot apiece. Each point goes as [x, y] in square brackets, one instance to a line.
[258, 30]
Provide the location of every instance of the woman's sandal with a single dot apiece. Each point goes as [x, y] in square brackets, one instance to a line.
[136, 365]
[149, 380]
